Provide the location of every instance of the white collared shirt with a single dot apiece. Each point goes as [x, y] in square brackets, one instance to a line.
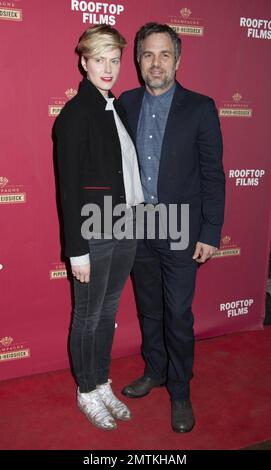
[133, 189]
[132, 185]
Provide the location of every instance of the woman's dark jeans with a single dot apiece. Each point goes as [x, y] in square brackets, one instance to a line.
[96, 304]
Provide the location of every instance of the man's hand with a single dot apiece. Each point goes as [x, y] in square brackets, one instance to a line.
[203, 252]
[81, 273]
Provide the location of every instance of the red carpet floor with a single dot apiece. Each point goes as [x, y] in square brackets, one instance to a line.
[231, 394]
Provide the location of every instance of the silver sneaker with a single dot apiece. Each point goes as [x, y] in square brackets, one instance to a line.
[92, 406]
[116, 407]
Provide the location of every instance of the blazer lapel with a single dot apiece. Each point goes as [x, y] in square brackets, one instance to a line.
[134, 111]
[92, 99]
[123, 118]
[177, 106]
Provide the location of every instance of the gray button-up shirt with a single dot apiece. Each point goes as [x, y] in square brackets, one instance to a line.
[150, 133]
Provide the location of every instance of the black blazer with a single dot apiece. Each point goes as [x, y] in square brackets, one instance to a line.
[89, 160]
[191, 168]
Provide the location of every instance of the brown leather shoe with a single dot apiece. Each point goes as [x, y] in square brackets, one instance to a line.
[141, 387]
[182, 416]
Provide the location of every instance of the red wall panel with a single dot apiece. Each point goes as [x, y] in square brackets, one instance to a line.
[38, 75]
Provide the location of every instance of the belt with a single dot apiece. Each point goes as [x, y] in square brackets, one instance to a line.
[150, 203]
[150, 206]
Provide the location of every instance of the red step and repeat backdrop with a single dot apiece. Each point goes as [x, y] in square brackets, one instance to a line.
[226, 54]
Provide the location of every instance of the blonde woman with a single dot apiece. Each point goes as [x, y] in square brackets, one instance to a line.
[96, 158]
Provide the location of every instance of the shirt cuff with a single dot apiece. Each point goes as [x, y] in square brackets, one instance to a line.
[79, 260]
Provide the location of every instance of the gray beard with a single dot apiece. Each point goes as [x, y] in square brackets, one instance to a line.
[155, 84]
[163, 84]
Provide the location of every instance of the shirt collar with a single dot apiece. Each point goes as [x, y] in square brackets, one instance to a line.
[163, 98]
[109, 104]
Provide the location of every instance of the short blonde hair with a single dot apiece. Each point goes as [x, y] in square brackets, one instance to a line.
[98, 38]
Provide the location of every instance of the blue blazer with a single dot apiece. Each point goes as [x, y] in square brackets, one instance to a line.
[191, 169]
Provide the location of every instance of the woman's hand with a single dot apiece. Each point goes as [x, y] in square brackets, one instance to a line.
[82, 272]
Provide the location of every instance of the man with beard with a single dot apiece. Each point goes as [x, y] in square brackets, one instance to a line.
[179, 146]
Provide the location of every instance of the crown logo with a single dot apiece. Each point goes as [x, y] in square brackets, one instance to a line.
[3, 181]
[6, 341]
[185, 12]
[236, 97]
[226, 240]
[70, 93]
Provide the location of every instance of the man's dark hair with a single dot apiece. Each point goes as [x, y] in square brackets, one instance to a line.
[150, 28]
